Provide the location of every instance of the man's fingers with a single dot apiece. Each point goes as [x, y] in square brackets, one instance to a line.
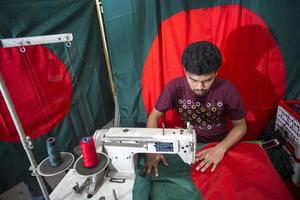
[155, 169]
[201, 155]
[214, 167]
[207, 165]
[201, 164]
[204, 156]
[149, 168]
[164, 161]
[153, 161]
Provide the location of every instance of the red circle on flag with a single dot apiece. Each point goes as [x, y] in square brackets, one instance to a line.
[40, 88]
[251, 59]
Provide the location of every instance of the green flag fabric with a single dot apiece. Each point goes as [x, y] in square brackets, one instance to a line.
[65, 88]
[173, 182]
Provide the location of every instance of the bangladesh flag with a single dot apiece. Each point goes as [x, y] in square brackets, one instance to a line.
[60, 90]
[259, 42]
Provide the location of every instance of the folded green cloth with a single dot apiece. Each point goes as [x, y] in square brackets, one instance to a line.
[174, 181]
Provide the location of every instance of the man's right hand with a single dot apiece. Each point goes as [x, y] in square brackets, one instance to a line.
[152, 161]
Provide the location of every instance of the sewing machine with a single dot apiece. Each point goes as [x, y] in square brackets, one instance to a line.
[121, 145]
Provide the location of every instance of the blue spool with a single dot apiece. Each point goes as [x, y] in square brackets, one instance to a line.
[55, 158]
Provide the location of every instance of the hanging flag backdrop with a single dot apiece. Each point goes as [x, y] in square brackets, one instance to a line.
[57, 90]
[260, 94]
[259, 45]
[146, 40]
[41, 88]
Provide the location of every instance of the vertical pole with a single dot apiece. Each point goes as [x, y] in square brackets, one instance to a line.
[107, 60]
[104, 45]
[25, 140]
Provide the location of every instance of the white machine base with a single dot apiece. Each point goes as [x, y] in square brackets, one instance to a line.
[64, 190]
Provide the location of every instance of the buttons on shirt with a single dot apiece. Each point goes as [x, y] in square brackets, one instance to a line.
[214, 109]
[204, 115]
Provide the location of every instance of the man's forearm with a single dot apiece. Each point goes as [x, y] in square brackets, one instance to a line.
[153, 118]
[234, 136]
[151, 122]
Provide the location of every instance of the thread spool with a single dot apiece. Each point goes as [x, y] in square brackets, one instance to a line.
[55, 158]
[89, 155]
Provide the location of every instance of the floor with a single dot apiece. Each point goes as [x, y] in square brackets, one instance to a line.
[20, 191]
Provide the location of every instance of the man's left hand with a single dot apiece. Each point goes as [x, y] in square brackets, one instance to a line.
[211, 156]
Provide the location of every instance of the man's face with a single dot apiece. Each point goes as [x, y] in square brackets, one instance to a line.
[200, 84]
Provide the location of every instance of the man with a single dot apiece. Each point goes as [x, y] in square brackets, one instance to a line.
[205, 101]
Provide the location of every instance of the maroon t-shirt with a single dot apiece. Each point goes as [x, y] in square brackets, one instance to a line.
[207, 114]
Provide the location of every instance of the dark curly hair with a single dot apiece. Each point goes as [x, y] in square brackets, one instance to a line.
[201, 58]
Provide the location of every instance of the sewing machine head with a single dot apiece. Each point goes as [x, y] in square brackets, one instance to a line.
[121, 144]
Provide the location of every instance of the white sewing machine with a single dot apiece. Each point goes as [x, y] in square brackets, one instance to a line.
[121, 145]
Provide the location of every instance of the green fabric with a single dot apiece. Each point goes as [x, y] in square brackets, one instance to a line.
[92, 104]
[132, 25]
[174, 181]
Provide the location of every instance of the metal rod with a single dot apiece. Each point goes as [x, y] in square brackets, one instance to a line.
[104, 45]
[35, 40]
[117, 112]
[22, 135]
[115, 194]
[107, 60]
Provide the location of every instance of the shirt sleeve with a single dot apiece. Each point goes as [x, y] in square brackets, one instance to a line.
[234, 104]
[165, 100]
